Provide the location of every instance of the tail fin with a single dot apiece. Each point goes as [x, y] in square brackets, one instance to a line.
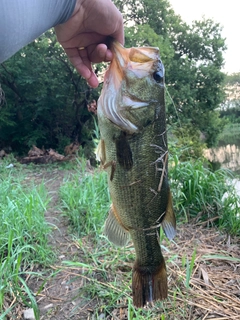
[149, 285]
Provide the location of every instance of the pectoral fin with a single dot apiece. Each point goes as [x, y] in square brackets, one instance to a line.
[169, 221]
[101, 152]
[114, 229]
[124, 152]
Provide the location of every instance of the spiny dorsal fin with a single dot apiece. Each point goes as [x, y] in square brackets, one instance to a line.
[114, 229]
[169, 221]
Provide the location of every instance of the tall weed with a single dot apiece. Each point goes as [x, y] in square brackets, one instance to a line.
[85, 200]
[22, 215]
[23, 236]
[200, 193]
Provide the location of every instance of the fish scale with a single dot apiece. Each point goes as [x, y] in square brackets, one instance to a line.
[133, 151]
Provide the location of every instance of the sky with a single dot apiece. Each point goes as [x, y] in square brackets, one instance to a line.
[224, 12]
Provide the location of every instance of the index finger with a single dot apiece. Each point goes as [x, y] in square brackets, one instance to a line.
[82, 65]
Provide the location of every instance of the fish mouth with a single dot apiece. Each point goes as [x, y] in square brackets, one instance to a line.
[139, 60]
[119, 102]
[140, 55]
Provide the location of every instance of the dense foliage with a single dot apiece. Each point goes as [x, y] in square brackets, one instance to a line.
[232, 79]
[46, 100]
[193, 59]
[231, 106]
[230, 111]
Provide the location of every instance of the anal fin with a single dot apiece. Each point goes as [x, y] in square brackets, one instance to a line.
[114, 229]
[169, 221]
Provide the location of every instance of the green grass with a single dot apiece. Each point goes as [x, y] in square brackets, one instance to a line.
[200, 193]
[85, 200]
[189, 269]
[23, 237]
[106, 269]
[107, 275]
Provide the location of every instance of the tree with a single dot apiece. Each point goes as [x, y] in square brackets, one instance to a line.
[47, 104]
[232, 79]
[230, 109]
[192, 56]
[46, 99]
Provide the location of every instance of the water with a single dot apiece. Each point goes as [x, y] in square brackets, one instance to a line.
[227, 156]
[237, 185]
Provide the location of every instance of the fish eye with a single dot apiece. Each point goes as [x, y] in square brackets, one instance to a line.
[158, 77]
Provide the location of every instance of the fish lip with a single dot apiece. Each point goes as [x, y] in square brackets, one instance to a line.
[115, 45]
[119, 52]
[123, 55]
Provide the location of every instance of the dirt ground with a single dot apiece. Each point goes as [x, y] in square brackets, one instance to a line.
[215, 283]
[58, 298]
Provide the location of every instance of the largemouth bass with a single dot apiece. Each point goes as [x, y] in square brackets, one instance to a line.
[133, 150]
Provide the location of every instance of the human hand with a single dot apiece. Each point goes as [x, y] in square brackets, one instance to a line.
[84, 36]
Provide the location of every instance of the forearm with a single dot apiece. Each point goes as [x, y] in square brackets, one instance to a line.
[22, 21]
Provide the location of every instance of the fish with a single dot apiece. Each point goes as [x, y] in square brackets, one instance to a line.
[133, 150]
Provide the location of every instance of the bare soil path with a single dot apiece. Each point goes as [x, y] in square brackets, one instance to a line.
[58, 297]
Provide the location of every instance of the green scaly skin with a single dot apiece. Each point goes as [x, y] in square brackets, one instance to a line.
[136, 163]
